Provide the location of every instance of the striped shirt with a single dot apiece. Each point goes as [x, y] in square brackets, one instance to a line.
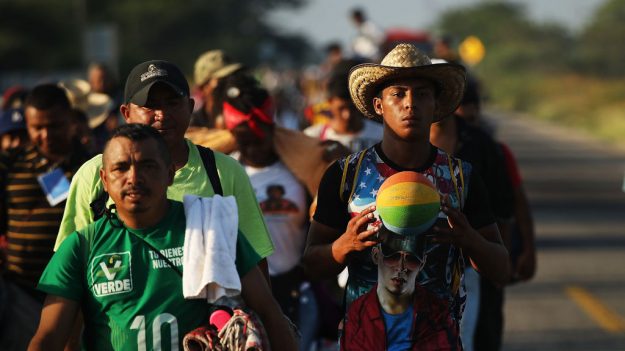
[30, 223]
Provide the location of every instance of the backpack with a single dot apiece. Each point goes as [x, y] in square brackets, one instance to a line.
[98, 205]
[351, 170]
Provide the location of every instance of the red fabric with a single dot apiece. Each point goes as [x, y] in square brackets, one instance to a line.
[264, 114]
[512, 167]
[432, 326]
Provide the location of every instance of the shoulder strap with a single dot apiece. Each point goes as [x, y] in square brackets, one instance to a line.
[352, 173]
[208, 159]
[98, 205]
[459, 192]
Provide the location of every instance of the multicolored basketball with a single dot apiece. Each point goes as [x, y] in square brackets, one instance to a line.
[408, 203]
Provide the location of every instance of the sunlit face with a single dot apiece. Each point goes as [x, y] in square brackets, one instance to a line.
[343, 109]
[98, 80]
[255, 150]
[407, 107]
[51, 131]
[165, 111]
[135, 175]
[397, 270]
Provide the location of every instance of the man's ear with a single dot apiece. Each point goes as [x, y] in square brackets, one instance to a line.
[103, 178]
[375, 254]
[124, 109]
[377, 105]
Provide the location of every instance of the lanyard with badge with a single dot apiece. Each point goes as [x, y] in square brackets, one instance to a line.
[54, 185]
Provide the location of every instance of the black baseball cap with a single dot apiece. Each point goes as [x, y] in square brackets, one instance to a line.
[146, 74]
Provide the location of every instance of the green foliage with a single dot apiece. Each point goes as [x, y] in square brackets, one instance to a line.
[29, 36]
[543, 70]
[601, 46]
[176, 30]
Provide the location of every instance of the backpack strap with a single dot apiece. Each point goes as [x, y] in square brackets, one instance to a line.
[98, 205]
[208, 159]
[351, 173]
[459, 192]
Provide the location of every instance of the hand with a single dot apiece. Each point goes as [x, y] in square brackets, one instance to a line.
[525, 266]
[459, 233]
[356, 237]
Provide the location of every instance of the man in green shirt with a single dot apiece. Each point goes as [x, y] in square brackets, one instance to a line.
[157, 94]
[124, 270]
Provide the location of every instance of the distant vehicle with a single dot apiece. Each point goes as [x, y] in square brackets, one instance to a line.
[420, 39]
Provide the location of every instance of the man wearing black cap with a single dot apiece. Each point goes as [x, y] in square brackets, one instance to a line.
[157, 94]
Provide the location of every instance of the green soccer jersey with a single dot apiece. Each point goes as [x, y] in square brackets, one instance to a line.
[130, 296]
[191, 179]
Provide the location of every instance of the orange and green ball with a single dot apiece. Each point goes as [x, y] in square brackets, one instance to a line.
[408, 203]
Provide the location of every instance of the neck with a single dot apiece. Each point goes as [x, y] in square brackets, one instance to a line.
[444, 135]
[145, 219]
[265, 162]
[407, 154]
[179, 153]
[391, 303]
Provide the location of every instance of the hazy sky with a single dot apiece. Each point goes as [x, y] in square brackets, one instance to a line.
[327, 20]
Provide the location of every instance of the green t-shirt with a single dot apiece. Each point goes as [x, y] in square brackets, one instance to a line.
[131, 298]
[190, 179]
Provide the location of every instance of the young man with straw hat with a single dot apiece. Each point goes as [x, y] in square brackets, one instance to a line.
[408, 93]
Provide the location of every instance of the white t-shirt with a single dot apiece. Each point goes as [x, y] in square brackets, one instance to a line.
[370, 134]
[284, 215]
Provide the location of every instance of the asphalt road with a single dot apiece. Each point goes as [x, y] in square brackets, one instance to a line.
[576, 301]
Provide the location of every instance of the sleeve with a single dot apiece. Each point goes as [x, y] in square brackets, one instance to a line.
[3, 198]
[331, 211]
[246, 258]
[63, 274]
[251, 222]
[83, 189]
[477, 207]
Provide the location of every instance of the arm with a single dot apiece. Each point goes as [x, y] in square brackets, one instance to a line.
[57, 319]
[484, 246]
[327, 249]
[526, 263]
[332, 235]
[257, 295]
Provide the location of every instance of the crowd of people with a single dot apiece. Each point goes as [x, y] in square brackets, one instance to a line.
[137, 217]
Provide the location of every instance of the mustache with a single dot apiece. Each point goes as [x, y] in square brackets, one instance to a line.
[135, 189]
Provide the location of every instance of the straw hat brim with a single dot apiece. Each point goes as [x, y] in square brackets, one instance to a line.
[366, 79]
[226, 70]
[98, 109]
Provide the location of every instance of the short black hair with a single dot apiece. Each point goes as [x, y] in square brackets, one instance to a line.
[140, 132]
[358, 12]
[46, 97]
[337, 87]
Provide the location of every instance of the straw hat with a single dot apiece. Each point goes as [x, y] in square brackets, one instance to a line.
[96, 106]
[213, 64]
[406, 61]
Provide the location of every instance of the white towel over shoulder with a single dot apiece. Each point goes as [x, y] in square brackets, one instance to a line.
[210, 248]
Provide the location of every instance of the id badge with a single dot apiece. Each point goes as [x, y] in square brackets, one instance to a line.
[55, 185]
